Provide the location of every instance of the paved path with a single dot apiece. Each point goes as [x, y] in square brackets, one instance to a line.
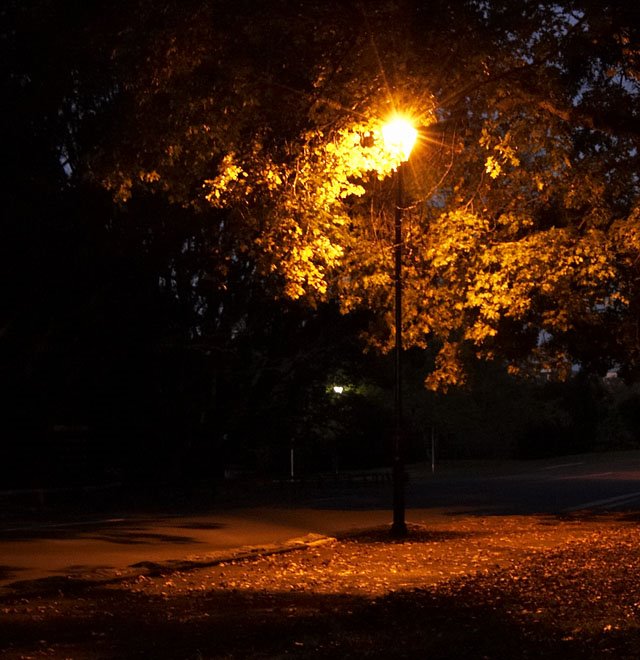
[111, 543]
[107, 545]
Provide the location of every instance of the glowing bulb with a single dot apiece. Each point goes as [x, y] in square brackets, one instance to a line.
[399, 136]
[338, 389]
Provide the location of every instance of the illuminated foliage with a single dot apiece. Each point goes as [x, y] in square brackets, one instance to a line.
[521, 226]
[306, 225]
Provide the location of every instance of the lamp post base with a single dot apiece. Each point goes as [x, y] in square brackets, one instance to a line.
[399, 526]
[399, 531]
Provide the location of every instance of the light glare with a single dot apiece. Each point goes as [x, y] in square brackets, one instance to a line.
[399, 136]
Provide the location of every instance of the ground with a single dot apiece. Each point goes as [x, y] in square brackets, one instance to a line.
[467, 587]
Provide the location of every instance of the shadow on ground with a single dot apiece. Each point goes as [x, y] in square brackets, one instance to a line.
[7, 572]
[121, 532]
[416, 533]
[464, 624]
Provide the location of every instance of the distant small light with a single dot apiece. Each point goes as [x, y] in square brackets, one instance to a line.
[338, 389]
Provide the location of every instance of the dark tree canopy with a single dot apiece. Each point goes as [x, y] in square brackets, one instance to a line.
[522, 220]
[228, 153]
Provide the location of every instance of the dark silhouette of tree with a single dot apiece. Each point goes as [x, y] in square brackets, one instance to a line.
[523, 199]
[193, 188]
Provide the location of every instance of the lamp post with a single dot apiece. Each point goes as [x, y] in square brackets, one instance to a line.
[399, 137]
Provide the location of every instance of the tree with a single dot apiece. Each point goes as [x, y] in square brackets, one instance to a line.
[523, 222]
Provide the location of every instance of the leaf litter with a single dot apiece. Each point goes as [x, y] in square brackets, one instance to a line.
[466, 587]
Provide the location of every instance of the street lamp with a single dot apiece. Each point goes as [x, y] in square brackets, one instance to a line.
[399, 136]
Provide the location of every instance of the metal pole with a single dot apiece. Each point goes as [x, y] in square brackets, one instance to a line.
[399, 527]
[433, 449]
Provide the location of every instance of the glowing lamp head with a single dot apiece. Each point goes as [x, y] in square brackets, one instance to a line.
[338, 389]
[399, 136]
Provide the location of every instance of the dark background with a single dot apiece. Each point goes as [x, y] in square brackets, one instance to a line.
[121, 358]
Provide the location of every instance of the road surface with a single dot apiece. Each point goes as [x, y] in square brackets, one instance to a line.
[108, 544]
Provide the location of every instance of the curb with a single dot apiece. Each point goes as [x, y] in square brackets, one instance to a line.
[244, 553]
[70, 583]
